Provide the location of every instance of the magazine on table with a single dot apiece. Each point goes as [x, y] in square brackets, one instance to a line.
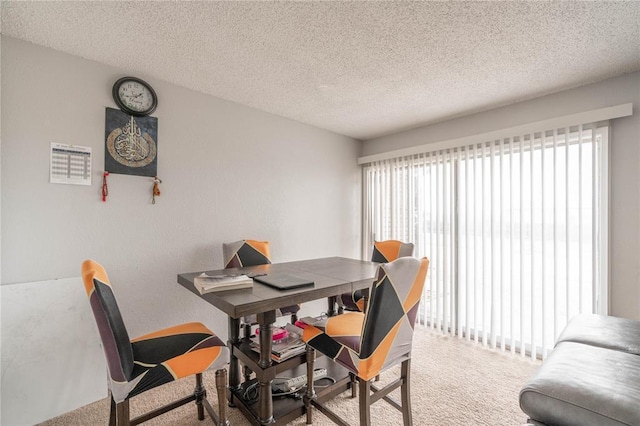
[285, 348]
[209, 283]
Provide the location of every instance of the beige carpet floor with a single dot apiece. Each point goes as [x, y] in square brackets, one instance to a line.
[453, 382]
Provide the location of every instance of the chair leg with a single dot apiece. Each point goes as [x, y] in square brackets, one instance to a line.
[246, 372]
[331, 305]
[112, 413]
[365, 402]
[221, 390]
[405, 372]
[122, 413]
[354, 385]
[247, 331]
[200, 394]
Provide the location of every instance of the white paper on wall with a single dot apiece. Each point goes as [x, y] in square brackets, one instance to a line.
[70, 164]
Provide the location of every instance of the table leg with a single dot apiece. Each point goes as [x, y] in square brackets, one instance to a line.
[265, 403]
[310, 394]
[234, 362]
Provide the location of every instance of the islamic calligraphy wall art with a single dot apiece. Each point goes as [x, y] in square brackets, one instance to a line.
[131, 144]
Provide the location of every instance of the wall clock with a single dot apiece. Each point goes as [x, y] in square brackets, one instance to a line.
[134, 96]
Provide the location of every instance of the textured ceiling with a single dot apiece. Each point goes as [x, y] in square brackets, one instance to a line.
[362, 69]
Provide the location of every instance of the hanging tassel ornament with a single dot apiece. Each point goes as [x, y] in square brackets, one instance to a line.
[105, 188]
[156, 189]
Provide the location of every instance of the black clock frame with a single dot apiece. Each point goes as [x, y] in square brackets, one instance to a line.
[123, 107]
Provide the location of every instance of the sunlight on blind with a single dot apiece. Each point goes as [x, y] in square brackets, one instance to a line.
[512, 228]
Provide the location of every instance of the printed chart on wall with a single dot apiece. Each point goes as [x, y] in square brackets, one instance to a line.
[70, 164]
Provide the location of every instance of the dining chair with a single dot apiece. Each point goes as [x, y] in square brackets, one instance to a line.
[246, 253]
[138, 365]
[253, 253]
[383, 252]
[367, 343]
[243, 253]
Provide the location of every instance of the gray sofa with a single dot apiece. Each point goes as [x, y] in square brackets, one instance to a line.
[592, 376]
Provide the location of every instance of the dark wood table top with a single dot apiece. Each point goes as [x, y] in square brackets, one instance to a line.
[332, 276]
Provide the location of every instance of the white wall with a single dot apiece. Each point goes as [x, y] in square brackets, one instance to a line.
[625, 161]
[229, 172]
[52, 359]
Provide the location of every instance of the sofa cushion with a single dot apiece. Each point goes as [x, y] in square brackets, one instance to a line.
[580, 384]
[620, 334]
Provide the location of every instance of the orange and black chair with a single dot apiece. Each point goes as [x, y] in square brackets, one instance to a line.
[371, 342]
[253, 253]
[383, 252]
[243, 253]
[246, 253]
[149, 361]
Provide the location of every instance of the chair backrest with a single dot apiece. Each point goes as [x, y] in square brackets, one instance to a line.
[246, 253]
[387, 332]
[115, 339]
[390, 250]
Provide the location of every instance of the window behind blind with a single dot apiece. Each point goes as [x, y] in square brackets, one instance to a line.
[515, 230]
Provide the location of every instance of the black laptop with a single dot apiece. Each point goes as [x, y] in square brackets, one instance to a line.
[284, 281]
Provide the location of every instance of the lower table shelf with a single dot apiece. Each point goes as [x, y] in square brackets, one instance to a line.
[288, 408]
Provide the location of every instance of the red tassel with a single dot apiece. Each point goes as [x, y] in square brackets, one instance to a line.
[105, 189]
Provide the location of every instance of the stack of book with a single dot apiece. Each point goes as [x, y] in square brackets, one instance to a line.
[286, 348]
[209, 283]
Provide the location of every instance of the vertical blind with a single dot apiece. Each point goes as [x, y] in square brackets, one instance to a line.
[514, 229]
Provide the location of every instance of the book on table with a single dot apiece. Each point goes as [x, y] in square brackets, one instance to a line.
[210, 283]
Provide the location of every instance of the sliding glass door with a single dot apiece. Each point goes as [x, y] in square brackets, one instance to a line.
[514, 229]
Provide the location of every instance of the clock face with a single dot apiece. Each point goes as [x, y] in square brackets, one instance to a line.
[134, 96]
